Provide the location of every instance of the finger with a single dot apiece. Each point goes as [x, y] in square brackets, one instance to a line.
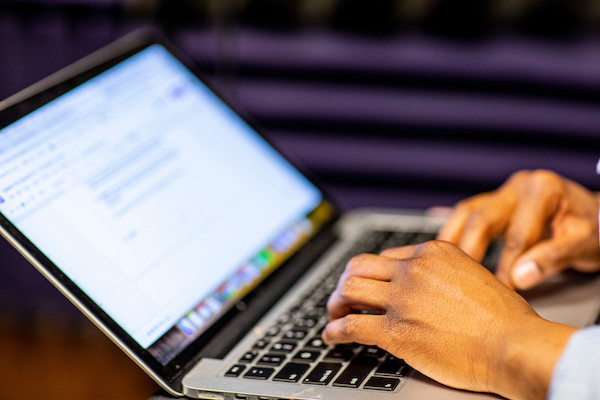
[547, 259]
[454, 226]
[370, 266]
[359, 328]
[355, 293]
[476, 240]
[483, 217]
[399, 252]
[486, 223]
[525, 228]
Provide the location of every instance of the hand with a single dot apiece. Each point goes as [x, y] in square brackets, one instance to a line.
[449, 318]
[548, 223]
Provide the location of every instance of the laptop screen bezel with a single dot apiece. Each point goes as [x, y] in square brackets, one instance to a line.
[60, 83]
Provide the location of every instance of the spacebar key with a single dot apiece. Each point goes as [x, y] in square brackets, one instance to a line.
[356, 372]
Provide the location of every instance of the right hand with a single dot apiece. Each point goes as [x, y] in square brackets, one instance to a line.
[548, 223]
[449, 318]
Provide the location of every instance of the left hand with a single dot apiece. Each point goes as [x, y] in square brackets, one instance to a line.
[548, 223]
[449, 318]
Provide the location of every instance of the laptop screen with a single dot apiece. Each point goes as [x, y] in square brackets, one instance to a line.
[154, 198]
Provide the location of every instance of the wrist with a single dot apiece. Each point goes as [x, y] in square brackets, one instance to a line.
[530, 355]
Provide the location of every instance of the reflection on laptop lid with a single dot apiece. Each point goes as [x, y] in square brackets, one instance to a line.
[151, 201]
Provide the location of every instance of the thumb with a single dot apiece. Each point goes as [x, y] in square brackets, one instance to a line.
[544, 260]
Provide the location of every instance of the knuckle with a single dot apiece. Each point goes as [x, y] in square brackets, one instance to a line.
[348, 325]
[429, 255]
[548, 187]
[518, 179]
[545, 175]
[415, 266]
[436, 247]
[395, 263]
[440, 245]
[349, 287]
[429, 246]
[543, 180]
[520, 175]
[356, 263]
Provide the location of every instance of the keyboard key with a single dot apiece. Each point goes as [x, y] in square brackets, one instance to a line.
[322, 303]
[307, 355]
[317, 311]
[272, 359]
[295, 334]
[423, 237]
[316, 343]
[348, 346]
[393, 367]
[295, 309]
[284, 347]
[261, 344]
[321, 296]
[379, 383]
[285, 318]
[356, 372]
[398, 239]
[291, 372]
[259, 373]
[305, 323]
[273, 331]
[322, 374]
[342, 353]
[249, 356]
[372, 351]
[236, 370]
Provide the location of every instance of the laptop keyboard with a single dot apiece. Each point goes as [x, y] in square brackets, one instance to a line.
[292, 349]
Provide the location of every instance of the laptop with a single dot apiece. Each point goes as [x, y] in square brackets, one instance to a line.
[194, 244]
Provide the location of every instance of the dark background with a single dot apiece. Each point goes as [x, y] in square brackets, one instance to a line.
[393, 103]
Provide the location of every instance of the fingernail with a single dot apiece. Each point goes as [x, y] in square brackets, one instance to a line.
[527, 275]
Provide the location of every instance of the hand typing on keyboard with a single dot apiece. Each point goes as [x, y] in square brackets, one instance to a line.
[548, 223]
[448, 317]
